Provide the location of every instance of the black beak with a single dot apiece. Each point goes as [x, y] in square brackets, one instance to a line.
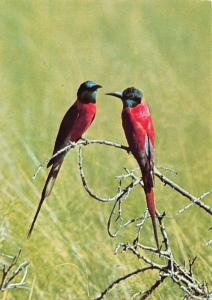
[98, 86]
[115, 94]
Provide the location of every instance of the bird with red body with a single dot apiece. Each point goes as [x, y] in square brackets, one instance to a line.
[139, 131]
[75, 122]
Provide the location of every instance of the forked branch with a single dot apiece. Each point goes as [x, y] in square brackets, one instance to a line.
[168, 268]
[10, 271]
[162, 262]
[165, 180]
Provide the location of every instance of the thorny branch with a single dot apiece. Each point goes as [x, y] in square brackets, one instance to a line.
[9, 271]
[167, 267]
[164, 179]
[182, 191]
[121, 193]
[122, 278]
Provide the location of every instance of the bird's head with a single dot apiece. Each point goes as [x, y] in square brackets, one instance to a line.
[130, 96]
[87, 91]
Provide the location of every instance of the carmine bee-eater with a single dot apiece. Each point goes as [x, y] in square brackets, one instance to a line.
[75, 122]
[139, 131]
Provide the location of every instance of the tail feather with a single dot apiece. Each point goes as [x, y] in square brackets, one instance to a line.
[155, 231]
[151, 208]
[46, 191]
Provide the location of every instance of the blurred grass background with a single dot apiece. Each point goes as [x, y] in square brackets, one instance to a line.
[47, 49]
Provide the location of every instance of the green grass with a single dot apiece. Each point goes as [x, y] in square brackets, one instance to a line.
[47, 49]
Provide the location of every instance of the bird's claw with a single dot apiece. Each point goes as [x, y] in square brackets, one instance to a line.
[135, 242]
[129, 151]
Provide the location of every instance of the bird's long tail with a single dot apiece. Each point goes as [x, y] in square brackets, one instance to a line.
[151, 207]
[46, 190]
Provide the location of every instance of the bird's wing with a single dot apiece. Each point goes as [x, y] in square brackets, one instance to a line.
[151, 137]
[149, 156]
[65, 127]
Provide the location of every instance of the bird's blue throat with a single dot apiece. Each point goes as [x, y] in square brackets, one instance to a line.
[130, 102]
[88, 96]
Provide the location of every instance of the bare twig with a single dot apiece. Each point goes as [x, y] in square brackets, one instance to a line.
[164, 179]
[191, 204]
[117, 196]
[72, 145]
[153, 287]
[140, 226]
[182, 191]
[179, 275]
[165, 265]
[8, 274]
[122, 278]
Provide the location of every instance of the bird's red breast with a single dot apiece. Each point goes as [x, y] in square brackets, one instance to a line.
[85, 116]
[138, 126]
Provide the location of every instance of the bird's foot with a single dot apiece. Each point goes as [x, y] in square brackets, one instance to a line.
[135, 242]
[129, 151]
[83, 139]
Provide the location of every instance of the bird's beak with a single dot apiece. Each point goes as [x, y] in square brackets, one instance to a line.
[98, 86]
[115, 94]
